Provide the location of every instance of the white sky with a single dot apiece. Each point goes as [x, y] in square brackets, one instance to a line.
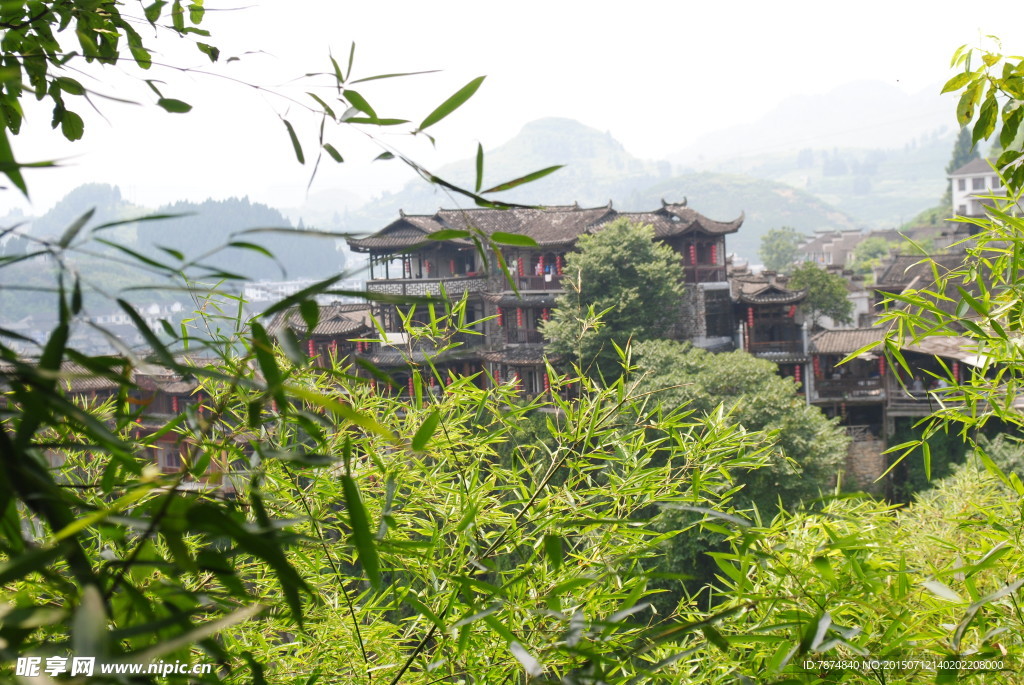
[655, 74]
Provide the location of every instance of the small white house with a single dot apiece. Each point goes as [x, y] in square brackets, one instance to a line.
[972, 184]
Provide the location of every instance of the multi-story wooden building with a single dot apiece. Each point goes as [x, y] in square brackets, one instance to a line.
[422, 255]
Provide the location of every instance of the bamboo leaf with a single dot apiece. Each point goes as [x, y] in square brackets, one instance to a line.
[362, 536]
[452, 103]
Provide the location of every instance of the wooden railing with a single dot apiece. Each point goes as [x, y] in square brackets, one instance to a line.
[518, 336]
[704, 274]
[545, 282]
[786, 346]
[843, 388]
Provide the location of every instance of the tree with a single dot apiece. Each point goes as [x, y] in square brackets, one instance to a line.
[808, 448]
[631, 281]
[780, 248]
[827, 294]
[869, 254]
[963, 152]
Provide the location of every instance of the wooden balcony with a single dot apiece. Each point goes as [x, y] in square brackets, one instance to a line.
[545, 282]
[421, 287]
[521, 336]
[774, 347]
[855, 389]
[704, 273]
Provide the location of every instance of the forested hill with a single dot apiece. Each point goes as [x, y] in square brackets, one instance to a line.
[203, 227]
[196, 228]
[598, 169]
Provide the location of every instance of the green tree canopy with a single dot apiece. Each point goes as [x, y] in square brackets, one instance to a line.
[622, 274]
[810, 447]
[826, 294]
[779, 247]
[869, 254]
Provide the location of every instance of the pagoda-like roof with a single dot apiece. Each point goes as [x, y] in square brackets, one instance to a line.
[335, 319]
[550, 227]
[764, 288]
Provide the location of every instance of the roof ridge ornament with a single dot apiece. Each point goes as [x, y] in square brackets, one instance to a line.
[401, 212]
[609, 203]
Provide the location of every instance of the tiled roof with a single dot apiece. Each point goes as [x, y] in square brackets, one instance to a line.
[914, 271]
[549, 226]
[974, 168]
[763, 289]
[335, 319]
[845, 341]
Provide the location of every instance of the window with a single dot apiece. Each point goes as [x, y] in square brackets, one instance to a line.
[995, 182]
[961, 210]
[961, 184]
[977, 184]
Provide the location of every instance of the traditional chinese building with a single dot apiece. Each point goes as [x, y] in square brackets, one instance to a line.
[425, 255]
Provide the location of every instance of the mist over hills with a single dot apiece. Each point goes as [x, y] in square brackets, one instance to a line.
[599, 169]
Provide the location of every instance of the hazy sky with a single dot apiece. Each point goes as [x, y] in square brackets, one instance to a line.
[654, 74]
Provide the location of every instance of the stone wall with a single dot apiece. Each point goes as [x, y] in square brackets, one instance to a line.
[865, 461]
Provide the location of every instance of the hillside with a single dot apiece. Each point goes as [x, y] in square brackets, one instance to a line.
[867, 148]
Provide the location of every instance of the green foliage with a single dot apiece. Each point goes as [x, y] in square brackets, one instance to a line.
[891, 593]
[780, 248]
[946, 450]
[44, 44]
[629, 280]
[807, 448]
[963, 151]
[827, 294]
[981, 87]
[869, 255]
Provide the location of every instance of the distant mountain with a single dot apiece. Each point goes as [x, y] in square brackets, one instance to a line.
[198, 228]
[862, 114]
[599, 169]
[868, 148]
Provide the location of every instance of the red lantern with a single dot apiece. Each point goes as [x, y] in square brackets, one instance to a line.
[750, 317]
[501, 317]
[451, 266]
[693, 254]
[497, 376]
[334, 346]
[540, 264]
[881, 366]
[547, 383]
[174, 404]
[520, 266]
[412, 387]
[558, 264]
[792, 311]
[545, 314]
[312, 348]
[714, 254]
[796, 373]
[956, 371]
[817, 367]
[519, 317]
[432, 382]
